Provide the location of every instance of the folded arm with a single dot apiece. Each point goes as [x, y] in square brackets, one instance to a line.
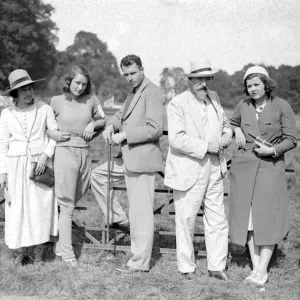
[51, 126]
[289, 130]
[226, 137]
[226, 124]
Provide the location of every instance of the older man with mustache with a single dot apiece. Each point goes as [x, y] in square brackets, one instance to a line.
[195, 167]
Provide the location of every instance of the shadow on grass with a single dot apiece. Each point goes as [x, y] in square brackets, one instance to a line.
[243, 259]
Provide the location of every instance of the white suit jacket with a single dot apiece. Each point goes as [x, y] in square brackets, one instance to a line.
[187, 143]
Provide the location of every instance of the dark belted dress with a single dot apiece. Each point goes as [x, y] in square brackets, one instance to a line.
[260, 181]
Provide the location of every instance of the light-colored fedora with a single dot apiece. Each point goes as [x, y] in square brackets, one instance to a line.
[201, 68]
[19, 78]
[255, 70]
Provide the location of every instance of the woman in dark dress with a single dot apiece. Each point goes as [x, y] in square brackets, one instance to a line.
[258, 206]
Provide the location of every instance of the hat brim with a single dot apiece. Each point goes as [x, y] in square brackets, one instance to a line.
[202, 74]
[35, 82]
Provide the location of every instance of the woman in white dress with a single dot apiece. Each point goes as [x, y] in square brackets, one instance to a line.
[30, 209]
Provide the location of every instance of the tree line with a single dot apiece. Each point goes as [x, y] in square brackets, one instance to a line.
[28, 40]
[230, 87]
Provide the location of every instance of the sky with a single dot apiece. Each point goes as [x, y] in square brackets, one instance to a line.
[172, 33]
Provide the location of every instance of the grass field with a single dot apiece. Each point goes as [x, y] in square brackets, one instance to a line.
[101, 281]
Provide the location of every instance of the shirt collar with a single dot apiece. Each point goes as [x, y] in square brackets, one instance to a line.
[134, 90]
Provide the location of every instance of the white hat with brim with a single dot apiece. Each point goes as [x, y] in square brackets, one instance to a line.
[255, 70]
[201, 68]
[19, 78]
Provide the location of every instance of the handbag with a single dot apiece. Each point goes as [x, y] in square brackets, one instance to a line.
[260, 140]
[46, 178]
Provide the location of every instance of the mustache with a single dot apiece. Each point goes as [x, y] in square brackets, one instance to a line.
[203, 88]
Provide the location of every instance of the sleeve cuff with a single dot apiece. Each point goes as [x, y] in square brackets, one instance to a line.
[277, 150]
[227, 130]
[204, 149]
[49, 150]
[274, 152]
[49, 153]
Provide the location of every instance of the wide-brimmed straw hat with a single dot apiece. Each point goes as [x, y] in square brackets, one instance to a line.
[201, 68]
[255, 70]
[19, 78]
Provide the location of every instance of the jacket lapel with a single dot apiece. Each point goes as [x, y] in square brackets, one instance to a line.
[265, 118]
[216, 106]
[250, 121]
[136, 98]
[195, 113]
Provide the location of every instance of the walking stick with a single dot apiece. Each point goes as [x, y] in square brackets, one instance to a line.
[108, 191]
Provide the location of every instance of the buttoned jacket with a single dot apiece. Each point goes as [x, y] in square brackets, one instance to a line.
[276, 123]
[143, 124]
[13, 141]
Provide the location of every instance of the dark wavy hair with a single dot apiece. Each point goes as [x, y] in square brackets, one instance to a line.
[67, 79]
[131, 59]
[269, 83]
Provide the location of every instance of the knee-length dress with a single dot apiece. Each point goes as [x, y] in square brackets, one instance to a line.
[259, 181]
[31, 217]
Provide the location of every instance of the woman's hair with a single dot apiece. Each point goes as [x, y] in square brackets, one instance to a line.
[14, 93]
[269, 83]
[67, 79]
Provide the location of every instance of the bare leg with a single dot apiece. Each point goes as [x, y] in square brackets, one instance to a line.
[261, 275]
[254, 251]
[265, 257]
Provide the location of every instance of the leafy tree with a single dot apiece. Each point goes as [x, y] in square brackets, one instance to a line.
[27, 38]
[91, 52]
[173, 82]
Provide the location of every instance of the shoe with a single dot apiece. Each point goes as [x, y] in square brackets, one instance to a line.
[127, 269]
[260, 279]
[250, 277]
[222, 275]
[57, 258]
[123, 227]
[74, 264]
[38, 254]
[189, 276]
[20, 260]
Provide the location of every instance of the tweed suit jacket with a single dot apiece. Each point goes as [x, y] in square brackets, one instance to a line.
[187, 145]
[143, 124]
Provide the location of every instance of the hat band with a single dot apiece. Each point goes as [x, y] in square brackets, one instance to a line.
[201, 70]
[16, 82]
